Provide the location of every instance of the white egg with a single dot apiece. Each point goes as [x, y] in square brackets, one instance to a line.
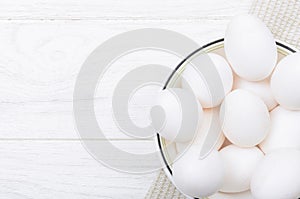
[242, 195]
[210, 126]
[176, 115]
[245, 118]
[277, 176]
[182, 146]
[284, 132]
[197, 177]
[285, 82]
[250, 48]
[209, 96]
[259, 88]
[239, 165]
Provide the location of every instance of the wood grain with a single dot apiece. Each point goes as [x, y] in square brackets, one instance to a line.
[118, 9]
[42, 47]
[63, 169]
[39, 63]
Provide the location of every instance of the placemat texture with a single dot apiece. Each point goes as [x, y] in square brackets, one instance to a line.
[283, 19]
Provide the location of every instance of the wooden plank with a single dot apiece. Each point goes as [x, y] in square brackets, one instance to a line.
[53, 169]
[117, 9]
[42, 46]
[39, 63]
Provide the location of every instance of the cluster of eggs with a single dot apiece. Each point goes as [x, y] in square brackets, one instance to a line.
[257, 154]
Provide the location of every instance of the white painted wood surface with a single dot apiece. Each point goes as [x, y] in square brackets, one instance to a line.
[42, 46]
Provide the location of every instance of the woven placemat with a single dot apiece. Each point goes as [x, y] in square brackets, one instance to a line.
[163, 188]
[283, 19]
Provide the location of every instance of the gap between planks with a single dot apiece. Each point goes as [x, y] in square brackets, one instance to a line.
[214, 18]
[73, 139]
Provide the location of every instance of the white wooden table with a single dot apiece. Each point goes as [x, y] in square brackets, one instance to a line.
[43, 44]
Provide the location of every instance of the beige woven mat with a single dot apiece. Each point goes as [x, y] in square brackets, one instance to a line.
[283, 19]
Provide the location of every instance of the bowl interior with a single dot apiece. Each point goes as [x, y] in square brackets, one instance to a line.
[170, 153]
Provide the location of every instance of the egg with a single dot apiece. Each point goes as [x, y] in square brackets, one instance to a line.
[209, 95]
[176, 114]
[250, 48]
[277, 175]
[210, 128]
[284, 132]
[242, 195]
[259, 88]
[285, 82]
[239, 165]
[245, 118]
[182, 146]
[197, 177]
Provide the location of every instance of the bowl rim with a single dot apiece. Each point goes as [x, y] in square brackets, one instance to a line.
[166, 167]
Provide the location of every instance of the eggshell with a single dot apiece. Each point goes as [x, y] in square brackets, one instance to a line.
[194, 81]
[182, 146]
[242, 195]
[239, 166]
[284, 132]
[277, 175]
[245, 118]
[210, 125]
[250, 48]
[176, 115]
[198, 177]
[260, 88]
[285, 82]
